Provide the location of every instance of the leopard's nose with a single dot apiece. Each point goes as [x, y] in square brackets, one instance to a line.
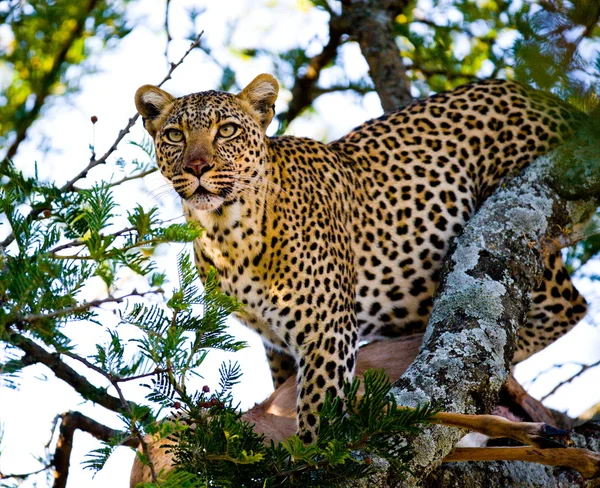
[197, 167]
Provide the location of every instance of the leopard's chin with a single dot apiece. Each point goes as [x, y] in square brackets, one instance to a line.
[202, 200]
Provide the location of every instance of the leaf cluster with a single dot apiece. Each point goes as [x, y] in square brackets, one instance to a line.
[54, 255]
[174, 343]
[218, 448]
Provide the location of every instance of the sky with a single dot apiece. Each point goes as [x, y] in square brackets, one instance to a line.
[27, 414]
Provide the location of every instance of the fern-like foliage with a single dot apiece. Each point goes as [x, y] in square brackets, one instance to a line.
[55, 240]
[218, 448]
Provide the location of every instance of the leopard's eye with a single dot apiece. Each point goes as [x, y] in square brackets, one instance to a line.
[174, 135]
[228, 130]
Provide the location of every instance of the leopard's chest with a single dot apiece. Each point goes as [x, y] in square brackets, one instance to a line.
[241, 259]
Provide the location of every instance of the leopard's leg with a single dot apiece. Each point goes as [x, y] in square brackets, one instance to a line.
[557, 307]
[282, 366]
[325, 365]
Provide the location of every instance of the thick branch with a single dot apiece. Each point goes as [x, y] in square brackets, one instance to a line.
[513, 474]
[69, 423]
[371, 22]
[590, 413]
[584, 461]
[483, 298]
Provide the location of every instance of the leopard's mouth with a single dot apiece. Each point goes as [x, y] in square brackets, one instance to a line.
[223, 192]
[205, 199]
[200, 191]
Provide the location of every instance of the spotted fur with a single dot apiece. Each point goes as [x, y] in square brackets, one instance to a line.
[329, 244]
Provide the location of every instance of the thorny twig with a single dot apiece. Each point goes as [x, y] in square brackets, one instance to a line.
[95, 162]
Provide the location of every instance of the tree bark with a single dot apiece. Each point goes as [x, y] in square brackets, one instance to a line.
[483, 297]
[371, 22]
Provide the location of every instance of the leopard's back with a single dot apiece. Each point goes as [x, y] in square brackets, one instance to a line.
[419, 174]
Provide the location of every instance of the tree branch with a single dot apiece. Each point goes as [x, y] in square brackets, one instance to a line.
[304, 89]
[83, 307]
[590, 413]
[371, 22]
[507, 473]
[484, 296]
[71, 421]
[36, 354]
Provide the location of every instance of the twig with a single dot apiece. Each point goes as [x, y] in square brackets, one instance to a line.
[79, 242]
[88, 364]
[355, 87]
[174, 66]
[141, 376]
[33, 318]
[135, 245]
[167, 31]
[551, 369]
[584, 368]
[22, 476]
[143, 174]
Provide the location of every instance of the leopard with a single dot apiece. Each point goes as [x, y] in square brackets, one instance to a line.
[327, 245]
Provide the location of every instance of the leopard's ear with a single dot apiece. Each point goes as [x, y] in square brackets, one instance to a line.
[151, 102]
[261, 94]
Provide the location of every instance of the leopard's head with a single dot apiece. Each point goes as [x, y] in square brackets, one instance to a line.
[210, 145]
